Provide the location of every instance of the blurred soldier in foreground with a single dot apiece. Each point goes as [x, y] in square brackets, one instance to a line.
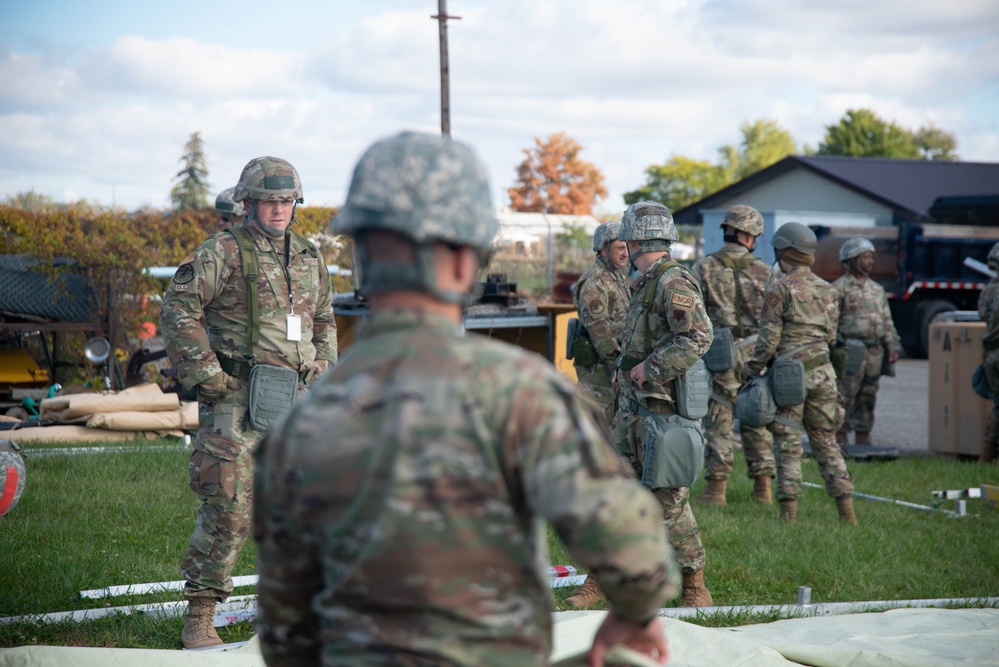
[732, 281]
[247, 322]
[397, 505]
[230, 211]
[601, 299]
[666, 331]
[798, 322]
[988, 310]
[864, 316]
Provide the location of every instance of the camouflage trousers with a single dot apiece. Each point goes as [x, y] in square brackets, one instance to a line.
[596, 380]
[860, 392]
[757, 442]
[821, 414]
[221, 474]
[990, 441]
[628, 435]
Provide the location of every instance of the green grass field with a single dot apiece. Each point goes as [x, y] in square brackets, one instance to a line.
[95, 520]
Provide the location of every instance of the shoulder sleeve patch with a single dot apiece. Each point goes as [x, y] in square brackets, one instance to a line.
[682, 300]
[596, 307]
[184, 274]
[773, 299]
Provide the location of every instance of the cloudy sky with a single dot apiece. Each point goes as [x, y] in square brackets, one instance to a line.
[97, 97]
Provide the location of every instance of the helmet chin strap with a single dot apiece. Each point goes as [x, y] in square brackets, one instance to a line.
[273, 232]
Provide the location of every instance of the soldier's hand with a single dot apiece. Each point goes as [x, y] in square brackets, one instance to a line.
[214, 388]
[319, 367]
[638, 375]
[892, 356]
[649, 641]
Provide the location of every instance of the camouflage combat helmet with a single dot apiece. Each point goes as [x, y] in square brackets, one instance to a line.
[794, 235]
[854, 247]
[993, 258]
[12, 475]
[426, 188]
[604, 234]
[744, 218]
[650, 224]
[268, 179]
[226, 205]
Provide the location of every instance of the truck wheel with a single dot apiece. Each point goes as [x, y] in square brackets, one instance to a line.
[927, 312]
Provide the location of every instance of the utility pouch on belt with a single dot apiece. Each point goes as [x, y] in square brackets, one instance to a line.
[787, 382]
[693, 390]
[721, 354]
[578, 345]
[839, 357]
[674, 451]
[754, 406]
[857, 353]
[980, 383]
[272, 393]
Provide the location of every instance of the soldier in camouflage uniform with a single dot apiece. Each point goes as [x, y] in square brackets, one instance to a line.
[601, 299]
[864, 315]
[662, 339]
[988, 310]
[732, 282]
[798, 321]
[230, 211]
[398, 504]
[214, 339]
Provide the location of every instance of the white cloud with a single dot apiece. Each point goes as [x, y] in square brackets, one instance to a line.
[634, 81]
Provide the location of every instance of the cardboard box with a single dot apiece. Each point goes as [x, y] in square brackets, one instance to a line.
[957, 413]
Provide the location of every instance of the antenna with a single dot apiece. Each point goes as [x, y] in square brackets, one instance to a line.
[442, 18]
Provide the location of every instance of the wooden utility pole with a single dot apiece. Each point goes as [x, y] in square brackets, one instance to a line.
[442, 18]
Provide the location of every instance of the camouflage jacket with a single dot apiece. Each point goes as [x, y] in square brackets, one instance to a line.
[988, 310]
[669, 334]
[415, 530]
[864, 312]
[733, 299]
[799, 309]
[204, 311]
[601, 300]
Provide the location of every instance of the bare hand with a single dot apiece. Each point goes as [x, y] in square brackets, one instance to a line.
[649, 641]
[892, 356]
[638, 374]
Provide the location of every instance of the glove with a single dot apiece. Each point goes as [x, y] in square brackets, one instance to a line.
[214, 388]
[319, 367]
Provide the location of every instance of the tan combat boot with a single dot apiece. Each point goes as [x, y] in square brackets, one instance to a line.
[789, 510]
[199, 624]
[761, 490]
[845, 506]
[695, 593]
[714, 493]
[588, 594]
[862, 437]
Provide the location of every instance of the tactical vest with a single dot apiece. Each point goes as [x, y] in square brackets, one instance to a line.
[251, 272]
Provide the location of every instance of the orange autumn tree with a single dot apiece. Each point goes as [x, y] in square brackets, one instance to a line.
[553, 179]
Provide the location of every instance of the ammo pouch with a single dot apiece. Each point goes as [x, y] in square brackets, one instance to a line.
[721, 355]
[693, 390]
[786, 379]
[754, 406]
[578, 345]
[674, 451]
[272, 392]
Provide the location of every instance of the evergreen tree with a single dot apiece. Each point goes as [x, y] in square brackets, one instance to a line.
[192, 190]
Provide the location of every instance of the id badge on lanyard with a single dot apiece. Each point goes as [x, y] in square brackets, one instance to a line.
[293, 327]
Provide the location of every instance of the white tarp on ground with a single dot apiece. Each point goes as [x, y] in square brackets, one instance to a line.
[897, 638]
